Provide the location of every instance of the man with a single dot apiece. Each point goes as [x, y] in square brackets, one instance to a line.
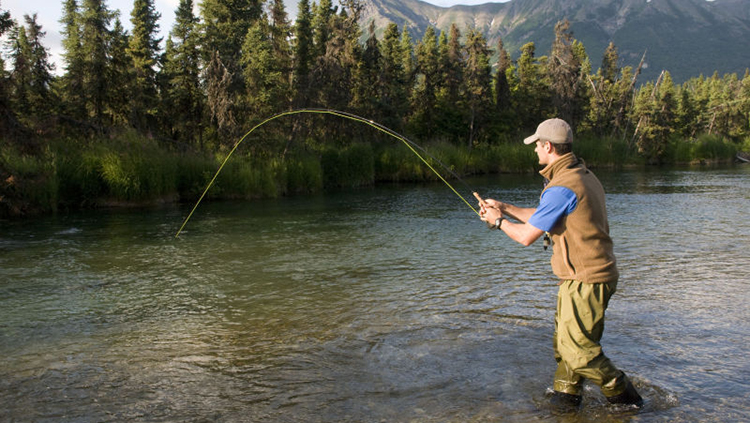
[573, 214]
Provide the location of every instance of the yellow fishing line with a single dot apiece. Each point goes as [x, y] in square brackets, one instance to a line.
[377, 126]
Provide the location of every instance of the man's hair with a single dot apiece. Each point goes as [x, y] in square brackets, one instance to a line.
[561, 149]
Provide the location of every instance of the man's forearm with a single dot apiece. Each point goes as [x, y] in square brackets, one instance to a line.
[519, 213]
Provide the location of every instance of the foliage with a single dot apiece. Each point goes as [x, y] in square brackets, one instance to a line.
[125, 122]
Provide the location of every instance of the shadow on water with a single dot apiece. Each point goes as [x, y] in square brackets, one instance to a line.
[390, 304]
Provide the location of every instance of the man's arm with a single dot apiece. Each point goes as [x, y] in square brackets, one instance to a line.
[523, 233]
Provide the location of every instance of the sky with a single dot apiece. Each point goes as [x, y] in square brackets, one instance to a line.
[49, 12]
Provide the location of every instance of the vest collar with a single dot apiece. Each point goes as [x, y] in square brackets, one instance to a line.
[566, 161]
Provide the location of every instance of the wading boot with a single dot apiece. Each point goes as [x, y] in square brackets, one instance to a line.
[565, 403]
[629, 397]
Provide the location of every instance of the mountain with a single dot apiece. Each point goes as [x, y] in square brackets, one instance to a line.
[686, 37]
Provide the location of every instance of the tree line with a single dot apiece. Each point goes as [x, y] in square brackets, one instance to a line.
[240, 61]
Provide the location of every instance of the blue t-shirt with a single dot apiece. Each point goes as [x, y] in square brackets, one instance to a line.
[555, 203]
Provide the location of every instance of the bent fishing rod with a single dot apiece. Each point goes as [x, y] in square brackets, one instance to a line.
[414, 147]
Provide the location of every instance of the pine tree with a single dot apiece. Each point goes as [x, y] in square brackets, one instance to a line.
[333, 73]
[744, 105]
[408, 61]
[610, 69]
[281, 32]
[120, 77]
[41, 70]
[20, 77]
[449, 86]
[654, 109]
[368, 88]
[143, 50]
[95, 37]
[532, 92]
[72, 94]
[394, 97]
[7, 118]
[225, 25]
[424, 95]
[303, 48]
[563, 71]
[478, 84]
[321, 24]
[182, 95]
[218, 97]
[263, 71]
[502, 88]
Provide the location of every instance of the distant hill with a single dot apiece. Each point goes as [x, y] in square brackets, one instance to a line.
[686, 37]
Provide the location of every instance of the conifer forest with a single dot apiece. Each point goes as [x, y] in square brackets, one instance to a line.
[134, 118]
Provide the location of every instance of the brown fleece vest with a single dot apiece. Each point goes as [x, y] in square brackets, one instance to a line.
[582, 249]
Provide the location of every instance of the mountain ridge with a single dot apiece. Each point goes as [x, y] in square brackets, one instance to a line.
[672, 33]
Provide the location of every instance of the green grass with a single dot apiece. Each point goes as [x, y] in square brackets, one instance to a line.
[72, 173]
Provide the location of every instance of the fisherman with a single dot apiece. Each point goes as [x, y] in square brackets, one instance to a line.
[573, 214]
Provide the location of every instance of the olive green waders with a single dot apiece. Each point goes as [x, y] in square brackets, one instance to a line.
[579, 325]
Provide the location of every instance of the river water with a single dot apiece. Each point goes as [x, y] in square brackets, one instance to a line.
[390, 304]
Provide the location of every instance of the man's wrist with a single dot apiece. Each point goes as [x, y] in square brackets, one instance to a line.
[498, 222]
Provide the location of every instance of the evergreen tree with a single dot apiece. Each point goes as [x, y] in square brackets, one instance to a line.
[303, 53]
[449, 86]
[478, 84]
[424, 95]
[120, 77]
[610, 69]
[687, 113]
[7, 118]
[225, 25]
[143, 49]
[502, 88]
[280, 33]
[21, 74]
[532, 89]
[182, 95]
[368, 78]
[72, 93]
[321, 23]
[563, 69]
[95, 37]
[394, 97]
[655, 107]
[334, 70]
[41, 70]
[218, 97]
[744, 105]
[264, 76]
[408, 61]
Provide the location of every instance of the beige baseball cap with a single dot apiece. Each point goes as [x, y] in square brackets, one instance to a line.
[556, 131]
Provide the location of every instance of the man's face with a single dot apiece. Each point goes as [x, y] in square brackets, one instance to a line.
[542, 152]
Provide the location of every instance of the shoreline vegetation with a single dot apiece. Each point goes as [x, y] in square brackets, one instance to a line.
[127, 122]
[130, 171]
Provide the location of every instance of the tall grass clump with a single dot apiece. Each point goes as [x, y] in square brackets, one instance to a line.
[28, 183]
[245, 177]
[350, 167]
[713, 147]
[704, 148]
[304, 175]
[605, 152]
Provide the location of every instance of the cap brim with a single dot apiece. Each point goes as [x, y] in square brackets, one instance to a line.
[532, 139]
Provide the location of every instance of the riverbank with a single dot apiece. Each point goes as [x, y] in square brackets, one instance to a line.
[130, 171]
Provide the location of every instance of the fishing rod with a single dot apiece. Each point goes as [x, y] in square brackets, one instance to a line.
[346, 115]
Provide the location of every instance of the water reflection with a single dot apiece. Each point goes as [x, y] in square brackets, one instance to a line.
[376, 305]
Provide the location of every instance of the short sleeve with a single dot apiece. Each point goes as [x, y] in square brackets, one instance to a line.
[555, 203]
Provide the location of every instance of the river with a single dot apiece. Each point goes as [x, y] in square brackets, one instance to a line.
[386, 304]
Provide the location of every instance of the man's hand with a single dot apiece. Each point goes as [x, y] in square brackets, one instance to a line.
[489, 210]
